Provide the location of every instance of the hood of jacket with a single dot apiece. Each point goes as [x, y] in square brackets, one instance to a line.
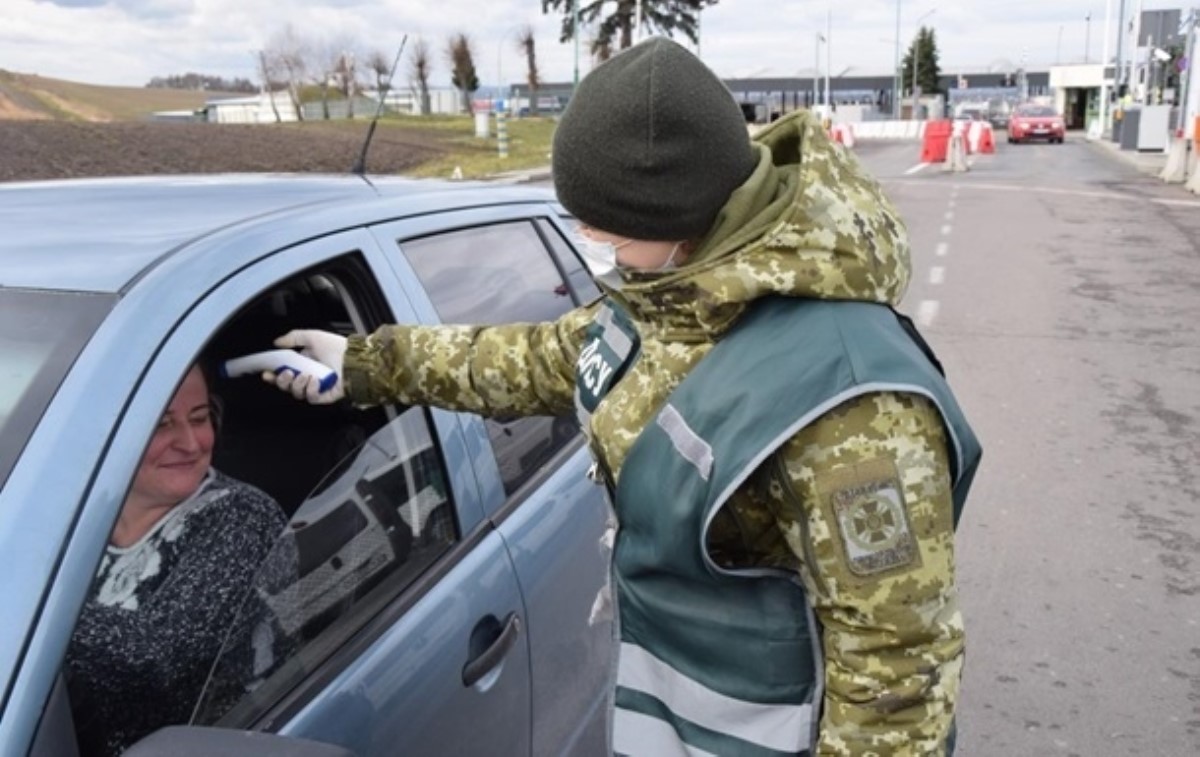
[809, 222]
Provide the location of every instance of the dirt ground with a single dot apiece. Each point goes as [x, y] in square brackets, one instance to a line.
[56, 149]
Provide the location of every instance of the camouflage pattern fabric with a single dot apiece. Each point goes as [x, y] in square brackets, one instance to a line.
[858, 502]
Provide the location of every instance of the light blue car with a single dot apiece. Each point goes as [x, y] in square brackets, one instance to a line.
[447, 565]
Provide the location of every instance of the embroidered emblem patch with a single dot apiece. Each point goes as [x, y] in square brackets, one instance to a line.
[872, 521]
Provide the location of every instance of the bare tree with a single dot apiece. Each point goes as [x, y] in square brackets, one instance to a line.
[266, 71]
[420, 67]
[462, 67]
[290, 54]
[345, 78]
[525, 43]
[377, 64]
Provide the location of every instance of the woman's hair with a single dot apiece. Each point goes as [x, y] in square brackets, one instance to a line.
[216, 408]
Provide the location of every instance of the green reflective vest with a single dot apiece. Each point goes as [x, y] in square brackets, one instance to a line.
[713, 661]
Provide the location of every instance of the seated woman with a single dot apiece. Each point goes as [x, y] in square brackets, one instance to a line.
[180, 563]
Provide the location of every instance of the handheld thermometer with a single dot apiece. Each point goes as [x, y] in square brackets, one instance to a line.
[278, 361]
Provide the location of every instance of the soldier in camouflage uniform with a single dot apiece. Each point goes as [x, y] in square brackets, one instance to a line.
[653, 157]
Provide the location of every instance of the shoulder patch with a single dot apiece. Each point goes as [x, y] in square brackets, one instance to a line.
[867, 504]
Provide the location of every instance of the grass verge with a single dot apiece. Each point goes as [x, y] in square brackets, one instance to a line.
[529, 141]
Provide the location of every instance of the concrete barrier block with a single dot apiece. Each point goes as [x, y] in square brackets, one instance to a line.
[1175, 171]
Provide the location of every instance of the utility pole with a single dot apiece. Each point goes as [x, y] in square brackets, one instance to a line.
[897, 84]
[1087, 38]
[1119, 74]
[828, 55]
[817, 69]
[1104, 71]
[637, 29]
[575, 34]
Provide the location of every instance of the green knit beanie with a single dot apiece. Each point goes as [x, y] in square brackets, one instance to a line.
[651, 145]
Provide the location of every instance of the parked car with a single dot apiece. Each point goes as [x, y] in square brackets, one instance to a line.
[1035, 122]
[448, 564]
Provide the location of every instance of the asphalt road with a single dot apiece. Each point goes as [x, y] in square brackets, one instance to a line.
[1061, 289]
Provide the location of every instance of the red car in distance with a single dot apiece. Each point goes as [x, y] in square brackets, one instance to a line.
[1035, 122]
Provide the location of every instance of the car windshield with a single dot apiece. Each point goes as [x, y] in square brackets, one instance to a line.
[41, 333]
[1036, 112]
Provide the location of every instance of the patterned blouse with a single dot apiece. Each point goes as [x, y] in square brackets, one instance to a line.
[162, 609]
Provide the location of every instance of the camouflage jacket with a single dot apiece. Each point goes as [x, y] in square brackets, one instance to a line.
[809, 222]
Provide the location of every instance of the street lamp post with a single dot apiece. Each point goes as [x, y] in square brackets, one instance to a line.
[1087, 38]
[817, 69]
[897, 83]
[575, 34]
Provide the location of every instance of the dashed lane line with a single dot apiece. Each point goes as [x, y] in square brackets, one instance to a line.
[916, 169]
[942, 249]
[1025, 189]
[937, 274]
[926, 312]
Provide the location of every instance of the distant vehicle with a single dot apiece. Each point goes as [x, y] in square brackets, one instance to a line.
[446, 565]
[970, 114]
[1035, 122]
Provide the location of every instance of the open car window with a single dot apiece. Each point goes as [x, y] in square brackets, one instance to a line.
[361, 538]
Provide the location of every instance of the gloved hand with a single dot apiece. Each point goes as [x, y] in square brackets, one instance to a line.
[322, 346]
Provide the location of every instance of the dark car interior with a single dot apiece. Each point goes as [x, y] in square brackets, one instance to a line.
[267, 438]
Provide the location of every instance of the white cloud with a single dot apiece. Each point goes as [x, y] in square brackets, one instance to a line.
[130, 41]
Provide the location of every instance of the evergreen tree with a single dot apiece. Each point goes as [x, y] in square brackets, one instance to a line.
[929, 73]
[616, 30]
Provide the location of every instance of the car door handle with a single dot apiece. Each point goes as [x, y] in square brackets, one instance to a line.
[487, 659]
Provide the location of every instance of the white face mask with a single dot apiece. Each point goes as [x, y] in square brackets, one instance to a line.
[601, 259]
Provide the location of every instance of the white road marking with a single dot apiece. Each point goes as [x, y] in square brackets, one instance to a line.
[926, 312]
[946, 230]
[1068, 193]
[937, 274]
[942, 249]
[949, 215]
[915, 169]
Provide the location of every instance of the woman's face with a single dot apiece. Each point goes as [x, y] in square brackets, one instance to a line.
[180, 451]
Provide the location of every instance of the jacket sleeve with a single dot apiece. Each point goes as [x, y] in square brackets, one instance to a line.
[498, 371]
[870, 521]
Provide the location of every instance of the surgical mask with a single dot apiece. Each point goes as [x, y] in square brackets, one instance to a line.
[601, 259]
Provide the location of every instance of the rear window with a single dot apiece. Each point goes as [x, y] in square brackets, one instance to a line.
[41, 333]
[1037, 112]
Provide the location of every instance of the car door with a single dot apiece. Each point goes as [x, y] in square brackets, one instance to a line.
[403, 608]
[508, 265]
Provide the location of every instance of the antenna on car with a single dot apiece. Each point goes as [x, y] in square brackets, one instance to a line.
[360, 165]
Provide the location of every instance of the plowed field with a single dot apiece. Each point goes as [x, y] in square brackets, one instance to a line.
[58, 149]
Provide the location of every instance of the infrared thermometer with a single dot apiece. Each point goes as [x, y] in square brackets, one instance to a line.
[278, 361]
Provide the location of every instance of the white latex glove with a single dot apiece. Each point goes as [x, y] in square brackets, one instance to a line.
[322, 346]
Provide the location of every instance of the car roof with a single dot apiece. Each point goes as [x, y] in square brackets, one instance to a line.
[99, 235]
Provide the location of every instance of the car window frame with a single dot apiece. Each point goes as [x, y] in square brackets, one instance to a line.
[543, 217]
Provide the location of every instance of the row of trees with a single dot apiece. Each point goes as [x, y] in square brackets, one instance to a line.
[201, 82]
[311, 69]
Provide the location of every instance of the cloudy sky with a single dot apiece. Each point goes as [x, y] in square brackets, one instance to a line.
[127, 42]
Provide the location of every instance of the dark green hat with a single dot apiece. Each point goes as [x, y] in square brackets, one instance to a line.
[651, 145]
